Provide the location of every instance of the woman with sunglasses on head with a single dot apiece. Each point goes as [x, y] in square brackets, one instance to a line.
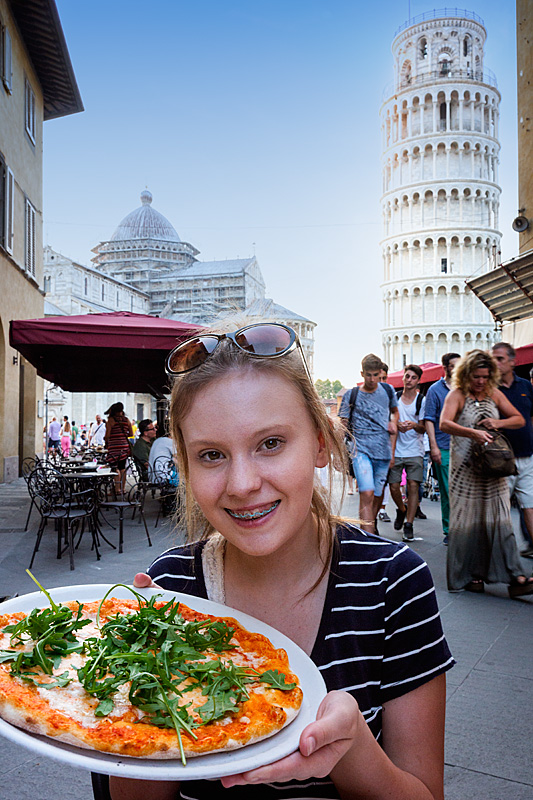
[117, 433]
[250, 432]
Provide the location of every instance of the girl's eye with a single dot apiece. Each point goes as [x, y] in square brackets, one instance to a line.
[272, 443]
[210, 455]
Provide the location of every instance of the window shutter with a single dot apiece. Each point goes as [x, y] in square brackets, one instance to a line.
[10, 202]
[29, 260]
[30, 111]
[3, 204]
[7, 68]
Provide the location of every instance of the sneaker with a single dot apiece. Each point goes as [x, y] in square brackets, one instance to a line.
[527, 553]
[376, 531]
[445, 540]
[400, 516]
[420, 514]
[384, 517]
[408, 534]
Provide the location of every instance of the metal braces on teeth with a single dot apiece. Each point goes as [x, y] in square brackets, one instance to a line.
[252, 514]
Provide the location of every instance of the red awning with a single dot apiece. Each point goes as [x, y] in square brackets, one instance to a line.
[431, 372]
[524, 355]
[116, 352]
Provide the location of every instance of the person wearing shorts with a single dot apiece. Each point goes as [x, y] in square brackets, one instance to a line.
[408, 452]
[370, 412]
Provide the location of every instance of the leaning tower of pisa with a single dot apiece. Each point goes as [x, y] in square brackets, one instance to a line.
[440, 198]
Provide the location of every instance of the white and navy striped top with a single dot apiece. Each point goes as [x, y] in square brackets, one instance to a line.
[380, 636]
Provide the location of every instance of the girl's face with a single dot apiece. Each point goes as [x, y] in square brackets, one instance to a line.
[479, 380]
[252, 449]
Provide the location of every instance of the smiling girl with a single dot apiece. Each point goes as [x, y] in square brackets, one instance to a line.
[250, 431]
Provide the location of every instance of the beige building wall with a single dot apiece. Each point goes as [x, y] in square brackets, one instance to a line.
[21, 297]
[524, 59]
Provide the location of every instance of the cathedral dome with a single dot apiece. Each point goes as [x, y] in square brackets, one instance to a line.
[145, 223]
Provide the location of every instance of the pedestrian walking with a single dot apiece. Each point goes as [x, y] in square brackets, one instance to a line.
[118, 429]
[370, 413]
[482, 547]
[97, 432]
[439, 442]
[408, 451]
[54, 435]
[519, 392]
[66, 433]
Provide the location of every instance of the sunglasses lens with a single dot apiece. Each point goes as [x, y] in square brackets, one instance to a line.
[191, 354]
[264, 340]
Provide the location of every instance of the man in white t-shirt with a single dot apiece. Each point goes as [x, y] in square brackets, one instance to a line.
[97, 432]
[408, 453]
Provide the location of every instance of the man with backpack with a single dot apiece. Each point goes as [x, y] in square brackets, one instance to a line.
[370, 412]
[408, 452]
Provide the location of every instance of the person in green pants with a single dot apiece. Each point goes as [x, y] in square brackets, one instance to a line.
[439, 442]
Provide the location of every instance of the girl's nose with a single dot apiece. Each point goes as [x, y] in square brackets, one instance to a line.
[243, 477]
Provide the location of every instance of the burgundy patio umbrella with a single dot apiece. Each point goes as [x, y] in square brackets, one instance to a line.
[115, 352]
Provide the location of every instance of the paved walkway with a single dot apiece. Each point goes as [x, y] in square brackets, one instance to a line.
[490, 690]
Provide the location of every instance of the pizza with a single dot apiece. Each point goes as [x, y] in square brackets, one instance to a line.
[142, 678]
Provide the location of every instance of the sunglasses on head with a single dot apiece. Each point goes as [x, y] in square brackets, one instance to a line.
[261, 340]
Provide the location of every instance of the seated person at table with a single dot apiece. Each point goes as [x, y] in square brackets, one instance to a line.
[141, 448]
[250, 431]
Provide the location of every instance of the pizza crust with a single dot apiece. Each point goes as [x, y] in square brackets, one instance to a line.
[67, 713]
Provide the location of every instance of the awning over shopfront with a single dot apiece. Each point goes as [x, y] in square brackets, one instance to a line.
[116, 352]
[508, 290]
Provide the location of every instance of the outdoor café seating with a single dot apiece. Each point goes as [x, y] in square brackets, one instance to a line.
[132, 499]
[58, 501]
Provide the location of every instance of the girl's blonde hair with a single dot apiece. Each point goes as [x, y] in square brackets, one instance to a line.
[228, 358]
[469, 363]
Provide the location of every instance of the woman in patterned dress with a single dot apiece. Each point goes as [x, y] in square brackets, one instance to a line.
[481, 546]
[118, 429]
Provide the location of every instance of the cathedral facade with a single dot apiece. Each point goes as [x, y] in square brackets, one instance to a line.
[440, 200]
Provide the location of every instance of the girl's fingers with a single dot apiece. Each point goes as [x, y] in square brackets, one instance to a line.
[144, 581]
[322, 744]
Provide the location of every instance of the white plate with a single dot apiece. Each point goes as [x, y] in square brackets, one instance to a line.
[208, 766]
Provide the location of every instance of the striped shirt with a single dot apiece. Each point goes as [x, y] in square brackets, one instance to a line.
[380, 636]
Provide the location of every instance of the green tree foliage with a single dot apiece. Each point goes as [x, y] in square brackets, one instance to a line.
[327, 389]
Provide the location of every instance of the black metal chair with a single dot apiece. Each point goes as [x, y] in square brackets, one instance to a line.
[133, 499]
[28, 465]
[69, 510]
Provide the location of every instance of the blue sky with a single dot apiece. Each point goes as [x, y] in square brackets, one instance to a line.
[255, 125]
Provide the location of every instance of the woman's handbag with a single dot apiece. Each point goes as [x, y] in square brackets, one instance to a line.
[494, 459]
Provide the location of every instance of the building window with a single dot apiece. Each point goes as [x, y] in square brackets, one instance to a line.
[6, 66]
[131, 302]
[7, 188]
[444, 265]
[47, 284]
[86, 286]
[29, 238]
[118, 302]
[29, 113]
[103, 292]
[423, 48]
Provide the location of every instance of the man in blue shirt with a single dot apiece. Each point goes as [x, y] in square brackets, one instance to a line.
[519, 392]
[439, 442]
[370, 413]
